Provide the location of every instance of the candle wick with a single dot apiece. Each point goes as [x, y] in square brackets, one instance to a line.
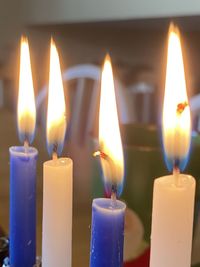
[113, 199]
[114, 196]
[176, 173]
[26, 146]
[54, 152]
[54, 156]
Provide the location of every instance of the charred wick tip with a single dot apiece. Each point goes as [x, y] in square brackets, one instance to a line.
[101, 154]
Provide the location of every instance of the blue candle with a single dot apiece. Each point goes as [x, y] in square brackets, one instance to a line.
[22, 206]
[23, 172]
[107, 233]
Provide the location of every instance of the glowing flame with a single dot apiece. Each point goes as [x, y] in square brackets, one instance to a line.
[176, 110]
[109, 133]
[26, 110]
[56, 117]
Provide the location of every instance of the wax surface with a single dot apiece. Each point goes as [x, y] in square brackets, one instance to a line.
[22, 206]
[172, 222]
[57, 213]
[107, 233]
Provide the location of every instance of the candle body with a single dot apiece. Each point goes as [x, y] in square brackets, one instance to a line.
[22, 206]
[107, 233]
[172, 222]
[57, 213]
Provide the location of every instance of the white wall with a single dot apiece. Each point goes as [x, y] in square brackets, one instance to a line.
[44, 11]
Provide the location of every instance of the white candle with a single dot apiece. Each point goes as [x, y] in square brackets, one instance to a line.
[172, 221]
[173, 196]
[57, 183]
[57, 213]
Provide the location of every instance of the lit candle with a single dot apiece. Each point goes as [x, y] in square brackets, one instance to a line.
[173, 197]
[57, 177]
[107, 233]
[23, 172]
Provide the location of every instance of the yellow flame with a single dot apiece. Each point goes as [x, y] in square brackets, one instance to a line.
[56, 117]
[26, 110]
[109, 133]
[176, 111]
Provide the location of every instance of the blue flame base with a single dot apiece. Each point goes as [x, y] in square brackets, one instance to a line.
[179, 163]
[55, 148]
[110, 188]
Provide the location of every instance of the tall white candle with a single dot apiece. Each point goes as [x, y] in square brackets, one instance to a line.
[173, 196]
[172, 221]
[57, 213]
[57, 183]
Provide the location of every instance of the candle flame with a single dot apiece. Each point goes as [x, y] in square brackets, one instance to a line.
[176, 111]
[109, 133]
[56, 112]
[26, 110]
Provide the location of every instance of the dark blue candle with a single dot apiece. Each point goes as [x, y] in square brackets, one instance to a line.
[107, 233]
[23, 172]
[22, 206]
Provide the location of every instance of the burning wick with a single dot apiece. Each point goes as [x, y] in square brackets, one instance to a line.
[26, 144]
[176, 173]
[114, 187]
[54, 154]
[114, 195]
[181, 107]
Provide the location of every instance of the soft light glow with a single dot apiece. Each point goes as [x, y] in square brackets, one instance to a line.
[109, 133]
[56, 113]
[176, 110]
[26, 111]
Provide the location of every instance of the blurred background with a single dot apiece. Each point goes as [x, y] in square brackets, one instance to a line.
[134, 32]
